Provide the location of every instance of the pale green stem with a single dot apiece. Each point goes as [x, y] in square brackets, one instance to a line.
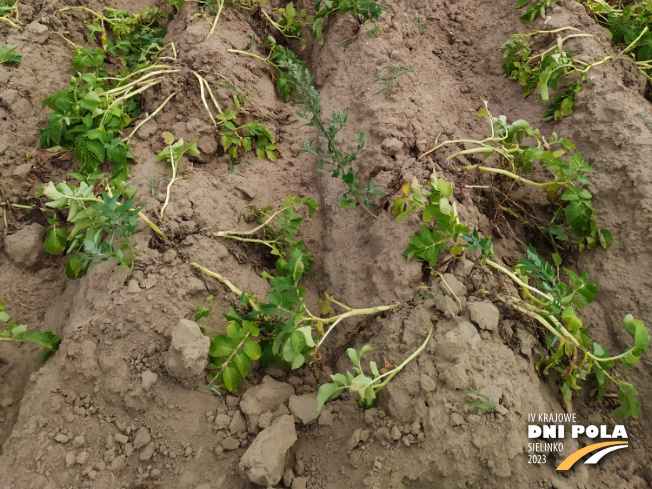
[148, 118]
[226, 282]
[513, 276]
[252, 231]
[396, 370]
[631, 46]
[217, 17]
[127, 97]
[174, 177]
[353, 312]
[203, 97]
[509, 174]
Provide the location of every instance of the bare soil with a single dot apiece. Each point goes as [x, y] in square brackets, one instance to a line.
[116, 327]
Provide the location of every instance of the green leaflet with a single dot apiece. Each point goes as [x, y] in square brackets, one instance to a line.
[6, 56]
[18, 332]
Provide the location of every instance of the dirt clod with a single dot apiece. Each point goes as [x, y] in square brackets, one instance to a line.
[264, 461]
[25, 247]
[304, 407]
[187, 355]
[485, 315]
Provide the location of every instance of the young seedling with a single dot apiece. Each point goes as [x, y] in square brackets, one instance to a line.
[375, 30]
[480, 401]
[9, 13]
[282, 329]
[566, 190]
[11, 331]
[203, 311]
[173, 154]
[364, 386]
[6, 56]
[418, 21]
[388, 77]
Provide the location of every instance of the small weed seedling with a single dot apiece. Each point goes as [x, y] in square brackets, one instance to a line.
[388, 76]
[534, 7]
[375, 30]
[360, 10]
[480, 401]
[9, 13]
[172, 154]
[18, 332]
[6, 56]
[203, 311]
[418, 20]
[282, 329]
[567, 190]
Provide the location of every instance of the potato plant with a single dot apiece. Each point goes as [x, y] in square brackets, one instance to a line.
[534, 7]
[440, 221]
[544, 298]
[566, 190]
[252, 136]
[629, 27]
[360, 10]
[364, 386]
[90, 114]
[280, 329]
[101, 225]
[9, 13]
[553, 304]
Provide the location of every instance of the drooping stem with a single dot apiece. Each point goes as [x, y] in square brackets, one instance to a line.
[513, 276]
[396, 370]
[351, 312]
[633, 43]
[154, 227]
[225, 281]
[507, 173]
[217, 17]
[148, 118]
[247, 53]
[171, 182]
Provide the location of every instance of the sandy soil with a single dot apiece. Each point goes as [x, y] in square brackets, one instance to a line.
[103, 411]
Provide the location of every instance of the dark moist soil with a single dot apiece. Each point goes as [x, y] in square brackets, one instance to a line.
[91, 417]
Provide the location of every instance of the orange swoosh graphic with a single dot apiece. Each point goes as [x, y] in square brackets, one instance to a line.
[575, 456]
